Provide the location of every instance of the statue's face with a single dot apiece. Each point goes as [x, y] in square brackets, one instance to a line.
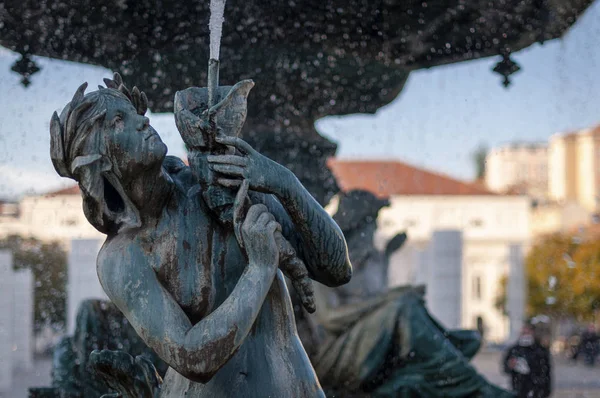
[133, 144]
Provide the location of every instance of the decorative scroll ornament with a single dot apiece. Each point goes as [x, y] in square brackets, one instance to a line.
[506, 67]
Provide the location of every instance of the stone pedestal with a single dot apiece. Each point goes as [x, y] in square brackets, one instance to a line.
[515, 291]
[23, 320]
[83, 280]
[6, 320]
[444, 287]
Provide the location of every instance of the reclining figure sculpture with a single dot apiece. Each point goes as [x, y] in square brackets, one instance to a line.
[368, 340]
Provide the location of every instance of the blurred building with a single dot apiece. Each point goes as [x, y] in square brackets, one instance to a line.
[574, 168]
[424, 203]
[54, 216]
[16, 321]
[573, 183]
[562, 179]
[9, 211]
[518, 168]
[557, 217]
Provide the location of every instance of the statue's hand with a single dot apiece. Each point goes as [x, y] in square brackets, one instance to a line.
[263, 174]
[258, 233]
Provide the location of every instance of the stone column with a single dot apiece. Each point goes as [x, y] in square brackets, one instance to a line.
[6, 319]
[420, 275]
[515, 291]
[402, 266]
[83, 280]
[444, 287]
[23, 320]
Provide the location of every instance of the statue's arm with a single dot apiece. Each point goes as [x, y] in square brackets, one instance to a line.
[316, 237]
[313, 233]
[195, 351]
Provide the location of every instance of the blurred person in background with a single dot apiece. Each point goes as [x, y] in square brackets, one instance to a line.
[573, 344]
[589, 345]
[528, 364]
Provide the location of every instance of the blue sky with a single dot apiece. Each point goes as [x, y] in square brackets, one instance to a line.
[437, 122]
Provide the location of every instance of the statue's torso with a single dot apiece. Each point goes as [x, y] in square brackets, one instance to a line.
[199, 262]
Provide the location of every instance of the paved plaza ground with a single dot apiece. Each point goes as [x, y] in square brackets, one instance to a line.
[570, 380]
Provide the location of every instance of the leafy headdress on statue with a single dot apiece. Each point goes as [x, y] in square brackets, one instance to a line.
[79, 151]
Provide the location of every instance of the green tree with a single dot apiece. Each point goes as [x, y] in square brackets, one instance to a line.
[48, 262]
[479, 159]
[585, 281]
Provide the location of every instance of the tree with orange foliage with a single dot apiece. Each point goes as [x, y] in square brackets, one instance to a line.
[563, 277]
[585, 283]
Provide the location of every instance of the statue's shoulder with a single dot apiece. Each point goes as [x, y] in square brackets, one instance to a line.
[110, 256]
[109, 262]
[120, 256]
[179, 172]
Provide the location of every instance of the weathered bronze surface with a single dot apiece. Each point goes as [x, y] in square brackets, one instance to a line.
[211, 303]
[193, 116]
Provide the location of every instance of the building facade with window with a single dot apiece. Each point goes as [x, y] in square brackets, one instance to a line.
[421, 203]
[519, 167]
[54, 216]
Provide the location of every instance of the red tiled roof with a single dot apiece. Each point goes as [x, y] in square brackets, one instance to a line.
[389, 178]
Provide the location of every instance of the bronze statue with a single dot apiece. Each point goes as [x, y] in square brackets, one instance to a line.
[368, 340]
[210, 302]
[195, 257]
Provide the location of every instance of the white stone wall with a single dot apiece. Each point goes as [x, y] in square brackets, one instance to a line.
[83, 280]
[489, 226]
[51, 218]
[482, 263]
[6, 319]
[16, 320]
[516, 290]
[479, 217]
[23, 319]
[485, 263]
